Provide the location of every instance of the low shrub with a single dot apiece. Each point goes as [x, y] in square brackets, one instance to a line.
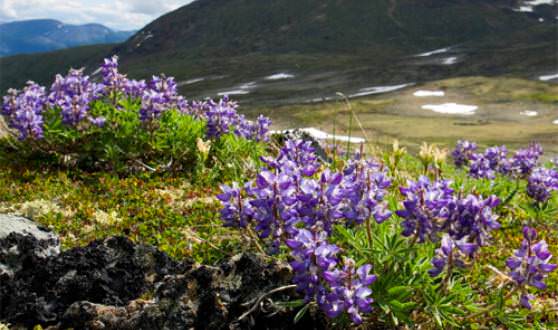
[121, 124]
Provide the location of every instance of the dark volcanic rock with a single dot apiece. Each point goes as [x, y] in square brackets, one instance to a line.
[111, 272]
[116, 284]
[204, 298]
[296, 134]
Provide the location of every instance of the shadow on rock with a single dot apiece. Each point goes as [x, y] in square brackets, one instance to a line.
[116, 284]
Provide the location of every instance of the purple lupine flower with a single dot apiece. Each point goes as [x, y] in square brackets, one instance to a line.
[425, 208]
[525, 160]
[257, 131]
[134, 88]
[463, 152]
[97, 121]
[291, 201]
[541, 183]
[198, 109]
[263, 124]
[451, 253]
[23, 110]
[273, 198]
[10, 102]
[112, 79]
[530, 265]
[312, 255]
[236, 211]
[160, 95]
[472, 218]
[488, 164]
[296, 154]
[221, 117]
[152, 105]
[320, 202]
[73, 94]
[165, 85]
[366, 186]
[349, 291]
[480, 167]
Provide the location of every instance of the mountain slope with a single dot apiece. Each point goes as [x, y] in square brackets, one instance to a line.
[234, 27]
[34, 36]
[324, 46]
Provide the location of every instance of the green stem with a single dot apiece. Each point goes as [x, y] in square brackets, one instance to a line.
[445, 283]
[369, 232]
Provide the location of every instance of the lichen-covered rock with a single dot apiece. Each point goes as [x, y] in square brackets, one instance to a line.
[116, 284]
[111, 272]
[15, 251]
[204, 298]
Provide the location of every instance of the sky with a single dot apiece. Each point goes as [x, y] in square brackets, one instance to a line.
[116, 14]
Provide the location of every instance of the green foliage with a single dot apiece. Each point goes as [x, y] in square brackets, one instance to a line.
[125, 144]
[175, 210]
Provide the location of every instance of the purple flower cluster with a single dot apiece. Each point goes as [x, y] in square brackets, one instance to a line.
[471, 217]
[23, 110]
[451, 253]
[525, 160]
[319, 276]
[541, 183]
[463, 152]
[425, 208]
[530, 265]
[488, 164]
[296, 202]
[73, 94]
[160, 96]
[431, 210]
[349, 291]
[222, 118]
[494, 160]
[116, 82]
[367, 184]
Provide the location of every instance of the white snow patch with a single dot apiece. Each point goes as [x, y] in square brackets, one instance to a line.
[449, 60]
[378, 90]
[191, 81]
[529, 5]
[423, 93]
[279, 76]
[539, 2]
[549, 77]
[529, 113]
[452, 108]
[148, 36]
[434, 52]
[248, 85]
[321, 135]
[234, 92]
[524, 9]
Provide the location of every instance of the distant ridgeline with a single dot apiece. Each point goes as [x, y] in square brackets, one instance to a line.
[33, 36]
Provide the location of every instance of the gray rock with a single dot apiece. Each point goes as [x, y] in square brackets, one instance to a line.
[12, 230]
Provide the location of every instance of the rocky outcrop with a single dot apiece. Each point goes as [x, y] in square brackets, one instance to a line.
[116, 284]
[15, 251]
